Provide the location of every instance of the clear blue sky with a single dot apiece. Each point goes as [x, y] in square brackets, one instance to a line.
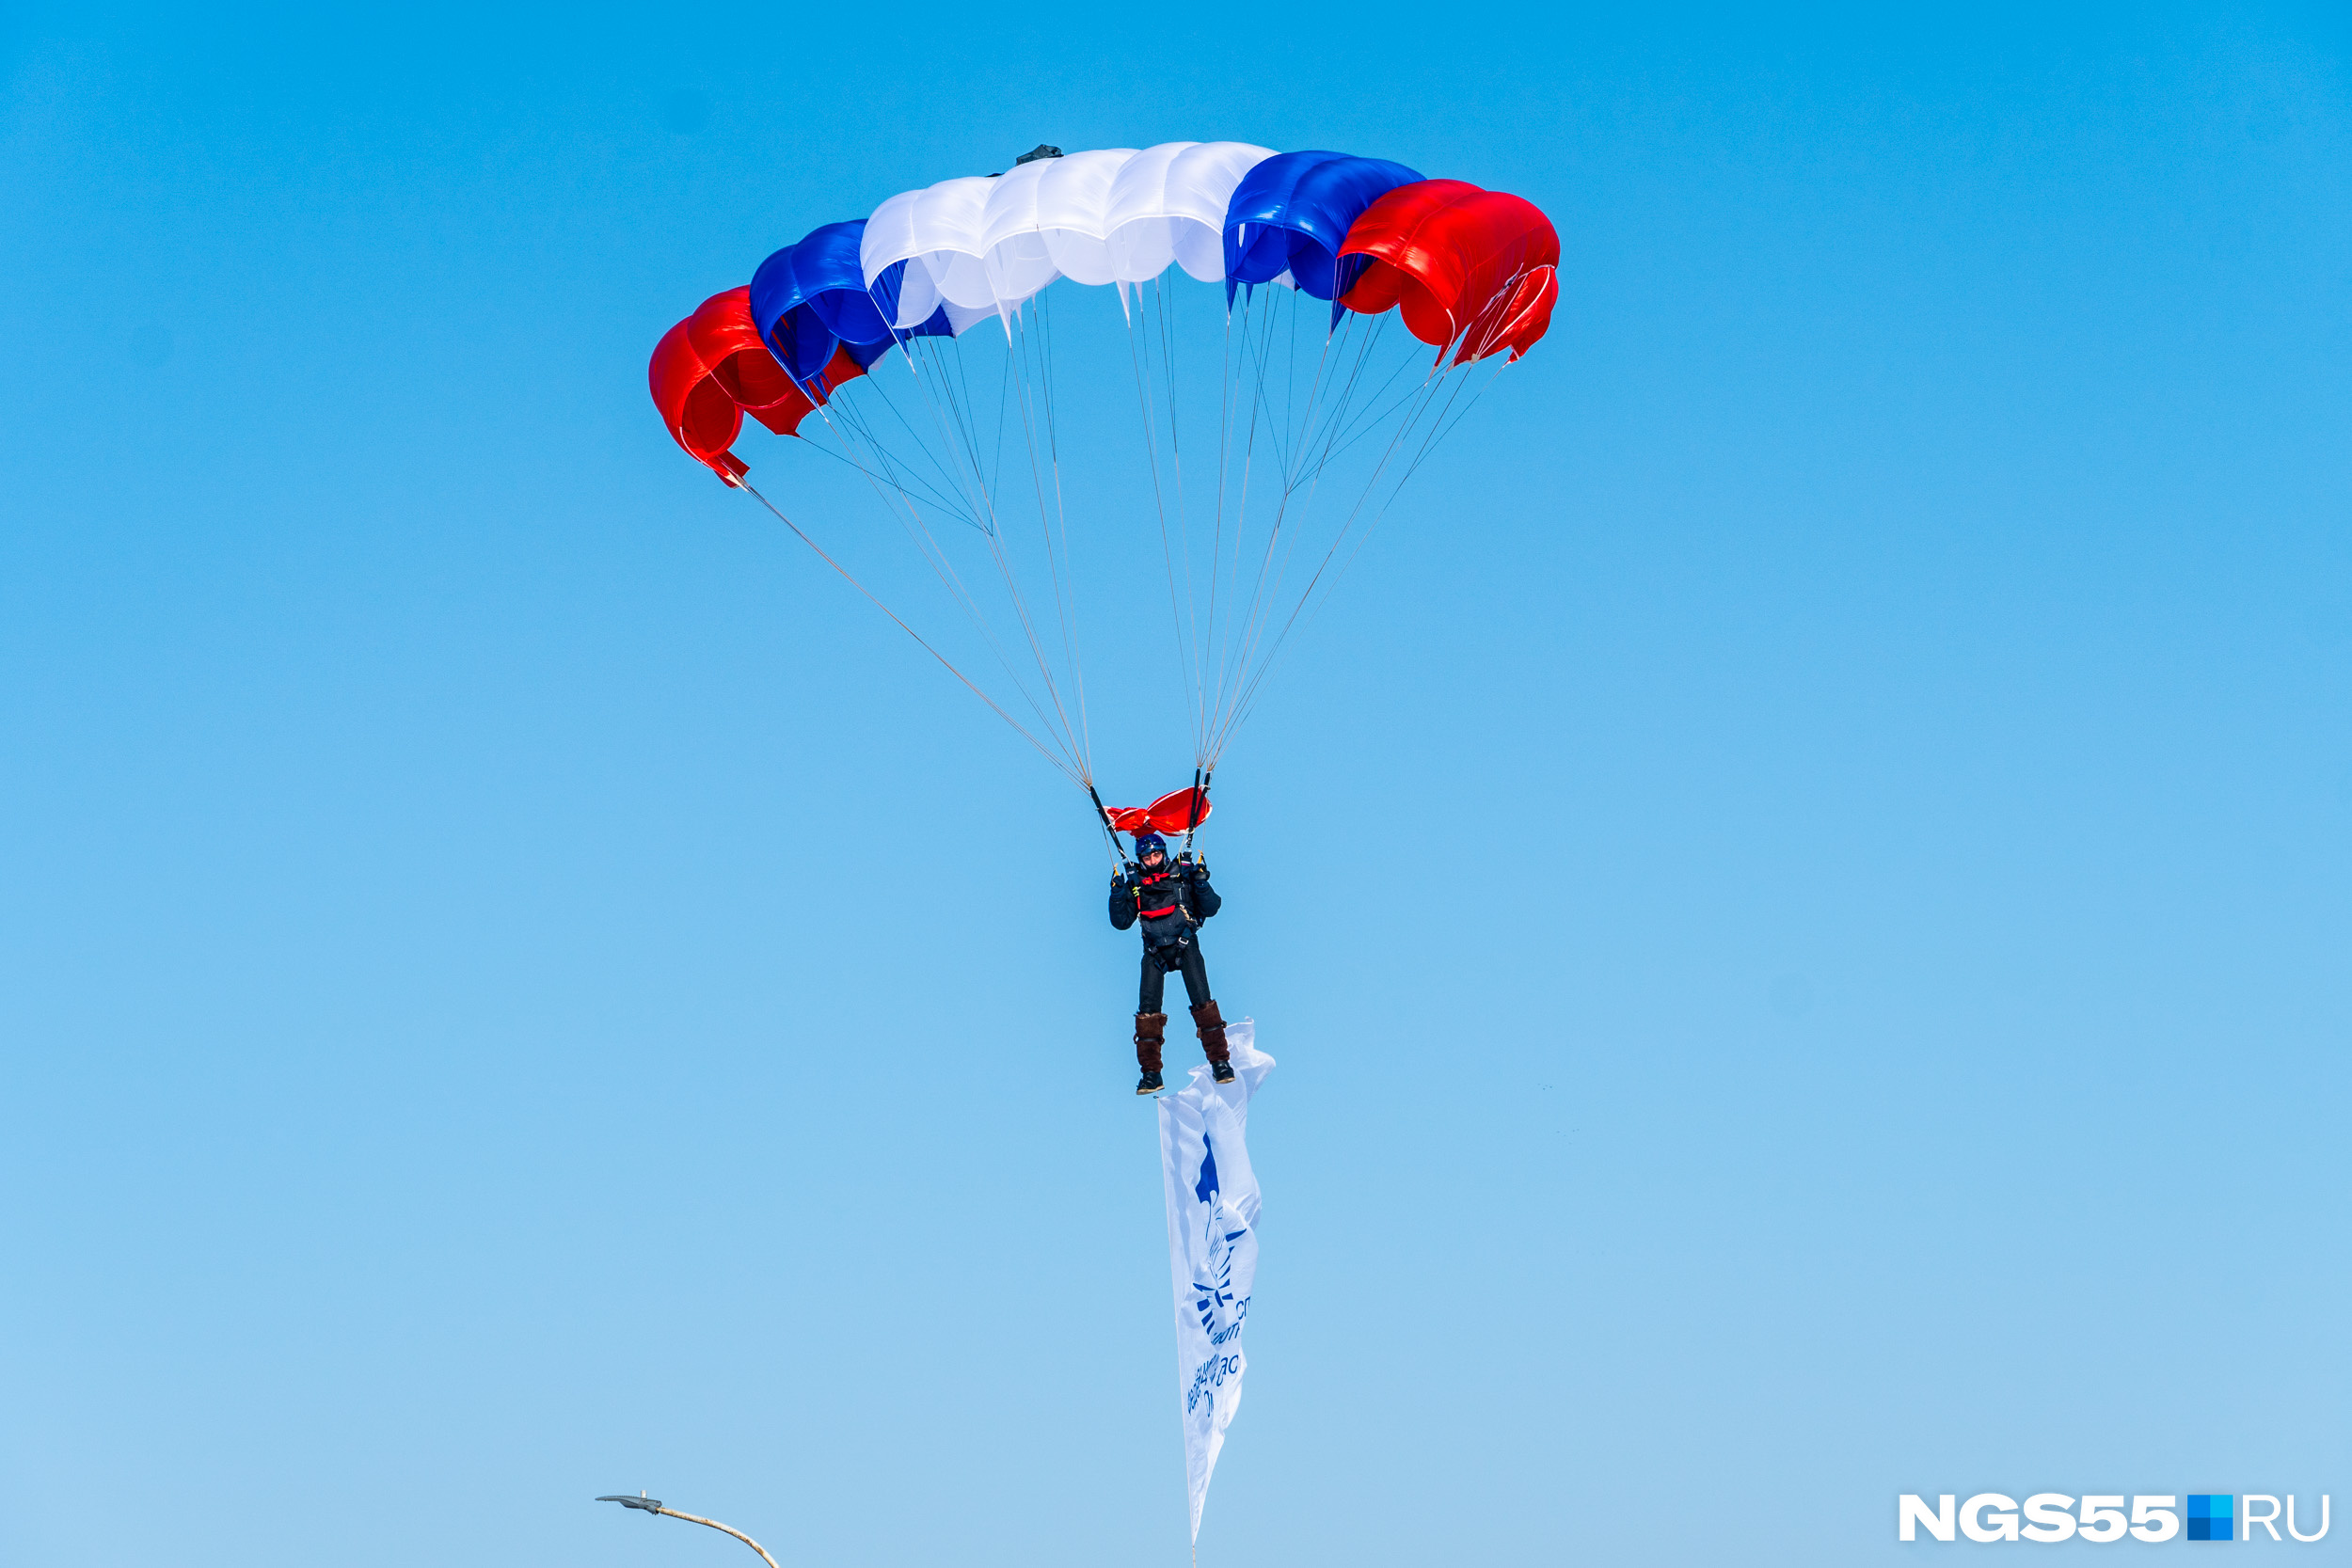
[1800, 893]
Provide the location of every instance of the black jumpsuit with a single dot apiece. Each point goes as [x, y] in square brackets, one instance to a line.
[1171, 903]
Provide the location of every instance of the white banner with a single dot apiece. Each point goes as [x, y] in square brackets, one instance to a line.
[1212, 1247]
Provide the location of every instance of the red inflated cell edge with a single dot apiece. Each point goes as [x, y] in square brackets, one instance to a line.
[696, 410]
[1463, 266]
[711, 369]
[722, 334]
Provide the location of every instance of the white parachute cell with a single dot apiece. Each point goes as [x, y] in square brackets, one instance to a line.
[1047, 214]
[1168, 204]
[987, 244]
[936, 232]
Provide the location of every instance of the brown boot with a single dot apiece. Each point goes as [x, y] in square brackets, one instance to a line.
[1151, 1031]
[1210, 1023]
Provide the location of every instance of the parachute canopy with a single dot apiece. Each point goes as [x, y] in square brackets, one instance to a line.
[1462, 265]
[1278, 421]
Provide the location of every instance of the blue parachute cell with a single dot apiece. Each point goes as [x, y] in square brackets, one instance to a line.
[1291, 214]
[810, 298]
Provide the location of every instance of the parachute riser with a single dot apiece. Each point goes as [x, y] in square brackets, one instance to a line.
[1201, 782]
[1110, 834]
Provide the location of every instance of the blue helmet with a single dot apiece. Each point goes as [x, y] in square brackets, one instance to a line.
[1147, 841]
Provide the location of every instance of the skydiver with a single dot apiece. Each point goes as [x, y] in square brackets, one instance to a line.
[1171, 900]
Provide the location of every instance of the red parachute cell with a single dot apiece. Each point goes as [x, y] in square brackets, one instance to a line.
[700, 416]
[1465, 267]
[711, 369]
[729, 344]
[1170, 814]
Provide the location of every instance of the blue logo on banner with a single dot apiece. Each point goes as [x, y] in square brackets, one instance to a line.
[1213, 1298]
